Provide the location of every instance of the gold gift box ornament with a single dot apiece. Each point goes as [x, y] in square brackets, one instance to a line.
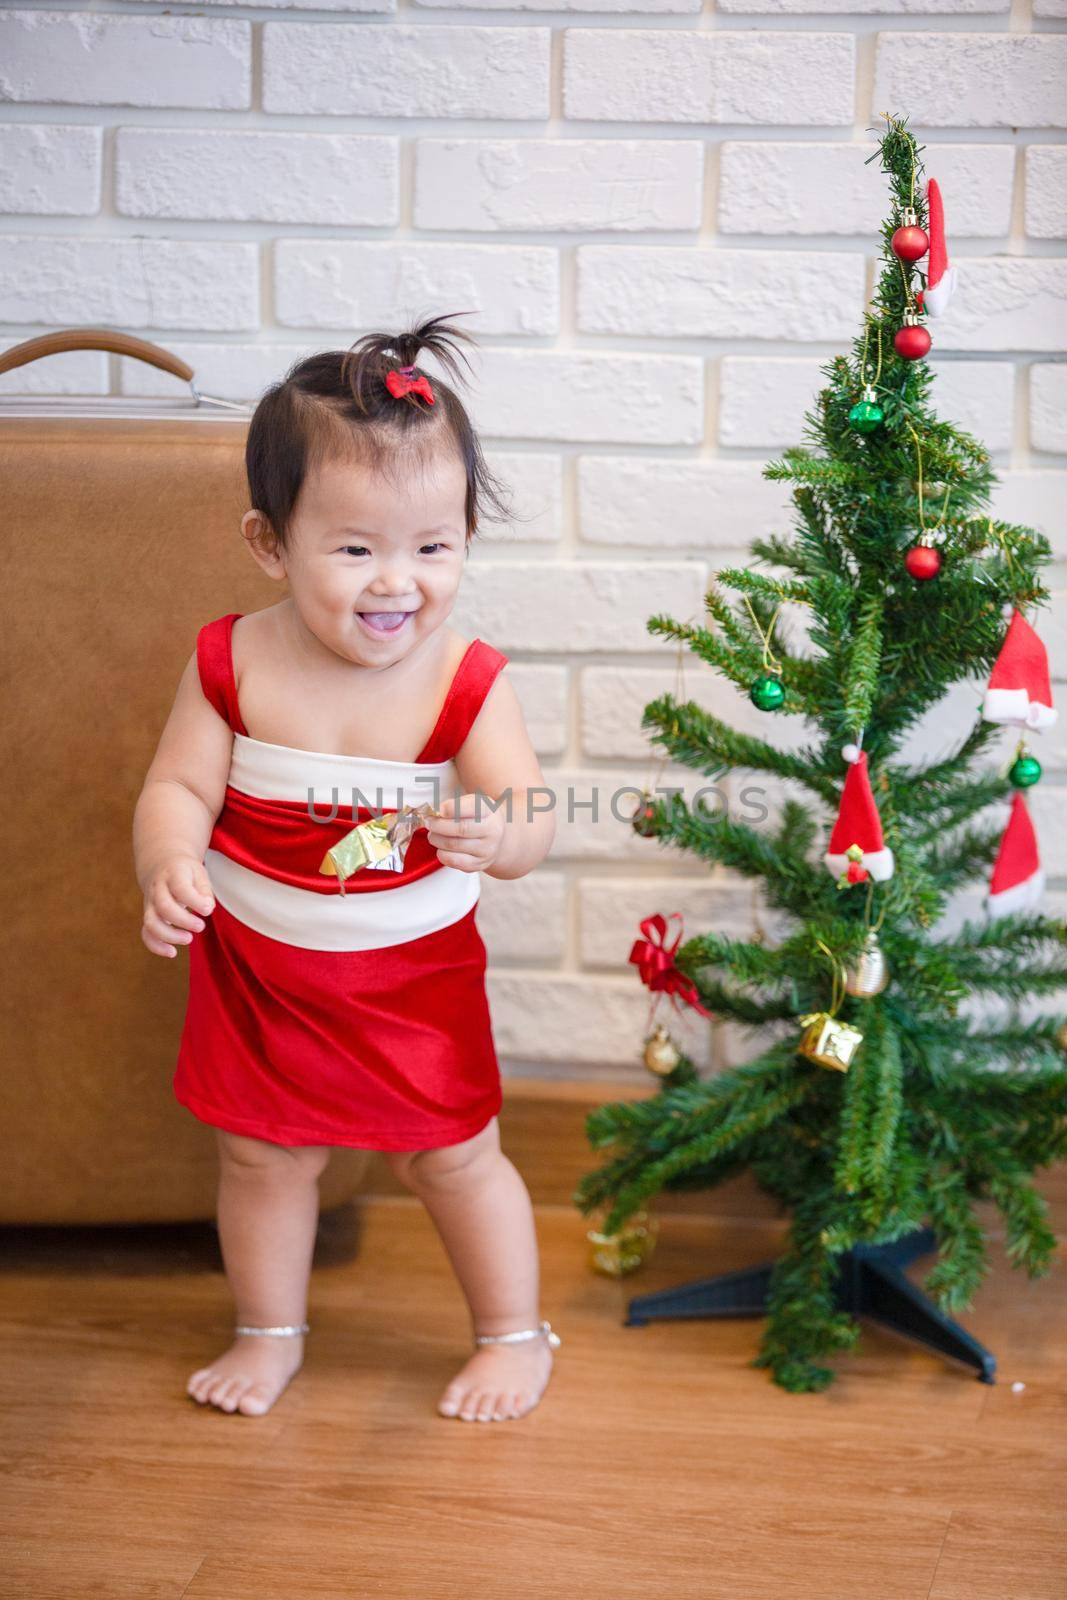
[381, 844]
[827, 1040]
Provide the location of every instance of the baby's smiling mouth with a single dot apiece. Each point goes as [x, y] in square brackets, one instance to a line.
[384, 621]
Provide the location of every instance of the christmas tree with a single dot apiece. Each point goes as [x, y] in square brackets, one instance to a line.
[887, 1098]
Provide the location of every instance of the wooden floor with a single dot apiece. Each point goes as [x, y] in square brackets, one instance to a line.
[660, 1463]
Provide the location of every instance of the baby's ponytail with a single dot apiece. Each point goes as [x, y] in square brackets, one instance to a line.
[368, 362]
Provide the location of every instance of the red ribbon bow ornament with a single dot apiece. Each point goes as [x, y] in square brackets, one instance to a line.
[400, 382]
[655, 962]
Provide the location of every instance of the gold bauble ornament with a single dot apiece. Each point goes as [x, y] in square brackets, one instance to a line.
[869, 974]
[661, 1053]
[828, 1042]
[616, 1254]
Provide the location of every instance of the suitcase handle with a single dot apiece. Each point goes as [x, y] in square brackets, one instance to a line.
[119, 344]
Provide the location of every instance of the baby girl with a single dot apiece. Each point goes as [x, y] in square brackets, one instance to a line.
[329, 1007]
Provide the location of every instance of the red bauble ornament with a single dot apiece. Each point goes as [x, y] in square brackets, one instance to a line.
[911, 340]
[923, 561]
[910, 242]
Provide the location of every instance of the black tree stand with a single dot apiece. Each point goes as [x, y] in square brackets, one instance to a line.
[869, 1283]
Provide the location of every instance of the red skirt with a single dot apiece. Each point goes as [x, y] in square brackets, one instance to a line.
[388, 1049]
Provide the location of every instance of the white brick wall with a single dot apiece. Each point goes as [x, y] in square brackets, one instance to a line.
[71, 58]
[974, 80]
[50, 171]
[393, 70]
[661, 215]
[674, 292]
[623, 75]
[256, 177]
[804, 187]
[140, 282]
[1046, 192]
[339, 283]
[572, 185]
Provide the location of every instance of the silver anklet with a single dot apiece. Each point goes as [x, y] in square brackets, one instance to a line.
[524, 1333]
[287, 1331]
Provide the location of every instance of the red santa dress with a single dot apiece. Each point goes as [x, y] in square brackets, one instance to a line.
[316, 1016]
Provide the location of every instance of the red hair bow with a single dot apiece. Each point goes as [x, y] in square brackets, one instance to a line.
[655, 962]
[400, 382]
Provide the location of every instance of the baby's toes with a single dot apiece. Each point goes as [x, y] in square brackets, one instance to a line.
[217, 1389]
[239, 1387]
[200, 1382]
[232, 1393]
[452, 1399]
[255, 1400]
[486, 1407]
[212, 1379]
[469, 1409]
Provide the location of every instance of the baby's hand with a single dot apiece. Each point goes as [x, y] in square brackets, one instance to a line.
[173, 894]
[466, 833]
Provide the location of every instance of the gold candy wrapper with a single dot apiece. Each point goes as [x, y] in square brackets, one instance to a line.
[381, 844]
[829, 1042]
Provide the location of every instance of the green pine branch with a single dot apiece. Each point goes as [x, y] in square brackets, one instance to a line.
[693, 737]
[927, 788]
[962, 1259]
[1030, 1242]
[804, 1325]
[966, 801]
[865, 659]
[1021, 937]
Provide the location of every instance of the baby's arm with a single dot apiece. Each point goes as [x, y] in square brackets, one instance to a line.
[182, 795]
[496, 757]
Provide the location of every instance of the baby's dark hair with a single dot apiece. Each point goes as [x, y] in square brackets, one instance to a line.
[335, 403]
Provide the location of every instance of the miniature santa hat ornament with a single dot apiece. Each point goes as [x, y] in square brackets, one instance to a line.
[940, 277]
[1018, 880]
[857, 850]
[1020, 691]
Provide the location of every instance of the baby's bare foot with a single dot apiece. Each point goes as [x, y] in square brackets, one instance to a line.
[251, 1375]
[498, 1382]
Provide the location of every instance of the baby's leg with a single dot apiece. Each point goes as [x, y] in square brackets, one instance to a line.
[481, 1208]
[267, 1212]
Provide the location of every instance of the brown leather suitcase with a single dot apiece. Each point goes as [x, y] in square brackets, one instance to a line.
[121, 522]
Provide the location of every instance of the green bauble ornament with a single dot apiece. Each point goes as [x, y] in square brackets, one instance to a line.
[1024, 771]
[866, 414]
[767, 692]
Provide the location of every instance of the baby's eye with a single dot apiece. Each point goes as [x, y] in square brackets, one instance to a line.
[432, 547]
[355, 550]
